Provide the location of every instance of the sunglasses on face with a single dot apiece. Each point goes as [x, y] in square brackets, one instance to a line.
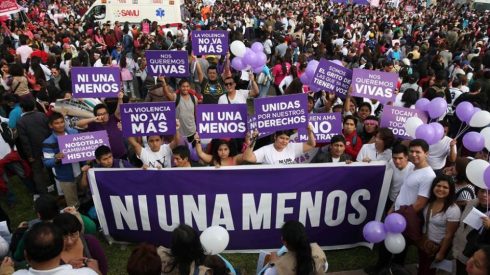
[229, 83]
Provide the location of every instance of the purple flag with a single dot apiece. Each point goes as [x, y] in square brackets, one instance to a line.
[136, 206]
[167, 63]
[80, 147]
[281, 112]
[209, 42]
[222, 120]
[90, 82]
[325, 126]
[395, 118]
[374, 85]
[145, 119]
[332, 77]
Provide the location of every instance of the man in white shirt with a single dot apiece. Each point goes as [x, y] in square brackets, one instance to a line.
[157, 154]
[234, 96]
[43, 247]
[23, 52]
[401, 167]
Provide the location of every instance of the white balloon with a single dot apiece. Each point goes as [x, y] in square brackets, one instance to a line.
[411, 125]
[480, 119]
[486, 134]
[238, 48]
[475, 170]
[395, 243]
[214, 239]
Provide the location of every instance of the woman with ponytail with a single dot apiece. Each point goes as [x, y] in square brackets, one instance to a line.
[302, 257]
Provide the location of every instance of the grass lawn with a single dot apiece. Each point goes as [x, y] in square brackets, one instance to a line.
[347, 259]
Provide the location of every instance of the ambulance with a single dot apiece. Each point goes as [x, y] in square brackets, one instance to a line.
[134, 11]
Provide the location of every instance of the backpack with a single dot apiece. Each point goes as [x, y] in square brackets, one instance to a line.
[7, 134]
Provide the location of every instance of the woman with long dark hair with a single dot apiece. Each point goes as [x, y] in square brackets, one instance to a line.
[302, 258]
[223, 153]
[441, 220]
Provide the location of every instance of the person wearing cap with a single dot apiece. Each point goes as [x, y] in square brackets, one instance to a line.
[234, 96]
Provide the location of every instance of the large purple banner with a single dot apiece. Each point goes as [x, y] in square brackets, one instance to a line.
[145, 119]
[281, 112]
[222, 120]
[325, 126]
[209, 42]
[81, 147]
[374, 84]
[332, 77]
[167, 63]
[90, 82]
[135, 205]
[395, 118]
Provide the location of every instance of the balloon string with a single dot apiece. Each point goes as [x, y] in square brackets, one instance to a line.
[463, 131]
[459, 130]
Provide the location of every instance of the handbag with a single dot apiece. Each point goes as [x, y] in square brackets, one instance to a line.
[427, 246]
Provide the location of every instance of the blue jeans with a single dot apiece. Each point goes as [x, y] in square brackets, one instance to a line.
[264, 89]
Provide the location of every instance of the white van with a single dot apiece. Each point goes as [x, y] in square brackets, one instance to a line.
[481, 5]
[134, 11]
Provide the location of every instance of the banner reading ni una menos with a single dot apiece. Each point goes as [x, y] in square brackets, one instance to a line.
[251, 202]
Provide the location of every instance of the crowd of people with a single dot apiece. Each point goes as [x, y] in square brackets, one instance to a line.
[440, 50]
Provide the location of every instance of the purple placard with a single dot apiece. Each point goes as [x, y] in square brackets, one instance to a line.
[222, 120]
[145, 119]
[360, 2]
[167, 63]
[91, 82]
[281, 112]
[209, 42]
[325, 126]
[374, 85]
[132, 207]
[252, 125]
[80, 147]
[395, 118]
[332, 77]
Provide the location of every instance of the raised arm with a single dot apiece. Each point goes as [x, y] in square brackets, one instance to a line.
[207, 158]
[166, 91]
[311, 139]
[117, 113]
[200, 73]
[137, 147]
[248, 154]
[175, 141]
[254, 89]
[226, 70]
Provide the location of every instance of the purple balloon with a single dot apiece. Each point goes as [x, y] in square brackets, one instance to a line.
[237, 63]
[374, 232]
[474, 141]
[262, 57]
[257, 47]
[251, 59]
[425, 132]
[258, 70]
[438, 129]
[486, 177]
[305, 79]
[464, 111]
[395, 223]
[437, 107]
[422, 104]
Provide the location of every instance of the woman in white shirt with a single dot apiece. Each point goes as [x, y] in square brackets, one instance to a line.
[380, 149]
[441, 219]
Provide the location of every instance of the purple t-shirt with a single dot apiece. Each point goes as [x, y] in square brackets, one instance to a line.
[115, 135]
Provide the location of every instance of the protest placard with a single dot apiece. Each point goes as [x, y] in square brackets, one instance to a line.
[374, 84]
[394, 118]
[281, 112]
[167, 63]
[90, 82]
[332, 77]
[80, 147]
[209, 42]
[325, 126]
[145, 119]
[222, 120]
